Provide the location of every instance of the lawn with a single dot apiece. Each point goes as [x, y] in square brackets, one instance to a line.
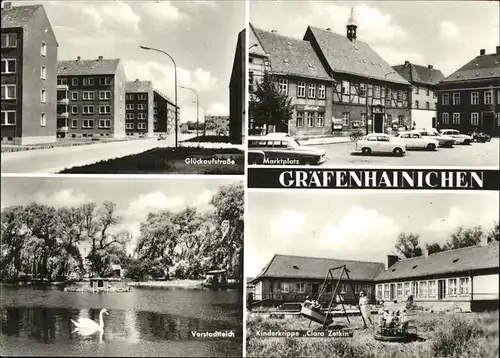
[170, 160]
[464, 335]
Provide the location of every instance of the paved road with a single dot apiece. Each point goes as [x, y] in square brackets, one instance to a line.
[474, 155]
[56, 159]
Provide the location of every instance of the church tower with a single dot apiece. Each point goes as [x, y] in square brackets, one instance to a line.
[351, 27]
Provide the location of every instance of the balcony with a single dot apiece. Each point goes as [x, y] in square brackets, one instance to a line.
[63, 115]
[62, 87]
[63, 101]
[63, 129]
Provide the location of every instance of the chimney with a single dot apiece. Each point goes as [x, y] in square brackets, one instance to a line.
[426, 253]
[498, 50]
[274, 31]
[482, 52]
[390, 260]
[78, 58]
[407, 63]
[329, 29]
[7, 5]
[99, 57]
[430, 67]
[136, 80]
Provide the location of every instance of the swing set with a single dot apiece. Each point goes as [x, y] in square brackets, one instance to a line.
[316, 315]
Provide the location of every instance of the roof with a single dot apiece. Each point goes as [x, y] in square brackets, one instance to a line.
[138, 86]
[255, 47]
[355, 58]
[18, 16]
[481, 67]
[87, 67]
[116, 267]
[165, 97]
[459, 260]
[291, 56]
[301, 267]
[419, 74]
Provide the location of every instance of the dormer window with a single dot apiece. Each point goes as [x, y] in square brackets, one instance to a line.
[289, 43]
[311, 65]
[285, 61]
[455, 260]
[414, 267]
[295, 267]
[364, 60]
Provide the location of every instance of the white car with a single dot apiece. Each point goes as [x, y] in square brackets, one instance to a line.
[459, 137]
[380, 143]
[414, 140]
[444, 140]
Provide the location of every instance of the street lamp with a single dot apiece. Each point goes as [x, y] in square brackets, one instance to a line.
[197, 107]
[385, 92]
[175, 79]
[204, 119]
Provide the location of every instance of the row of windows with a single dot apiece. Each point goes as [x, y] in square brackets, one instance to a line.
[9, 92]
[8, 118]
[87, 109]
[314, 119]
[311, 90]
[136, 96]
[8, 66]
[474, 118]
[132, 116]
[300, 287]
[10, 41]
[427, 91]
[424, 289]
[89, 95]
[427, 105]
[86, 81]
[132, 125]
[140, 106]
[474, 98]
[89, 123]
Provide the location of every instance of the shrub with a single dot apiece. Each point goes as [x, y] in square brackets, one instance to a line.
[454, 339]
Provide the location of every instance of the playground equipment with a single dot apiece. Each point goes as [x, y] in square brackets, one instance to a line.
[395, 326]
[315, 314]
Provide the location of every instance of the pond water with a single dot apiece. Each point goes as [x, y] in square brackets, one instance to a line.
[143, 322]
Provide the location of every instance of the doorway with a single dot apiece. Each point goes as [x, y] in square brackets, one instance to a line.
[378, 123]
[488, 122]
[315, 289]
[441, 289]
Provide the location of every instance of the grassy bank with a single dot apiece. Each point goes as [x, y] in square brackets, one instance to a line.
[467, 335]
[169, 160]
[173, 283]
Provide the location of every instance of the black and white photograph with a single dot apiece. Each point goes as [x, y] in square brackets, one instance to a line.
[406, 274]
[120, 87]
[89, 271]
[399, 83]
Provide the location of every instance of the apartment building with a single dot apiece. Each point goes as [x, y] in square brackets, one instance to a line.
[423, 99]
[91, 98]
[469, 98]
[139, 111]
[29, 76]
[164, 113]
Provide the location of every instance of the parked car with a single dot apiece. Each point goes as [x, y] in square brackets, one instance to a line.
[444, 140]
[279, 149]
[278, 134]
[459, 137]
[480, 137]
[380, 143]
[414, 140]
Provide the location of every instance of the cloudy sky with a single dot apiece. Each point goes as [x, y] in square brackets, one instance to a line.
[446, 34]
[354, 225]
[200, 35]
[134, 198]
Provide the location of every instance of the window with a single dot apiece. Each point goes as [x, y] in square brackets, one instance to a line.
[155, 104]
[362, 89]
[345, 118]
[88, 123]
[311, 90]
[301, 89]
[88, 81]
[43, 120]
[452, 287]
[74, 96]
[130, 97]
[104, 94]
[320, 119]
[321, 91]
[363, 119]
[388, 94]
[414, 289]
[445, 118]
[417, 89]
[43, 49]
[43, 96]
[399, 96]
[74, 109]
[376, 91]
[8, 118]
[129, 125]
[104, 81]
[474, 119]
[456, 118]
[488, 98]
[300, 119]
[423, 288]
[456, 99]
[427, 105]
[427, 92]
[389, 119]
[310, 119]
[104, 123]
[406, 289]
[387, 291]
[285, 287]
[62, 81]
[399, 290]
[155, 111]
[283, 85]
[431, 289]
[8, 66]
[88, 110]
[74, 81]
[130, 116]
[464, 286]
[88, 95]
[74, 123]
[378, 294]
[103, 109]
[474, 98]
[301, 287]
[129, 107]
[401, 120]
[9, 40]
[141, 107]
[346, 87]
[142, 97]
[141, 115]
[8, 91]
[417, 104]
[446, 98]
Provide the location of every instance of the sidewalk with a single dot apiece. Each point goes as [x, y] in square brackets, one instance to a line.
[324, 140]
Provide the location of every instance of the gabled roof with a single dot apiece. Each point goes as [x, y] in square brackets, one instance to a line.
[138, 86]
[291, 56]
[87, 67]
[355, 58]
[419, 74]
[18, 16]
[165, 97]
[300, 267]
[459, 260]
[255, 47]
[481, 67]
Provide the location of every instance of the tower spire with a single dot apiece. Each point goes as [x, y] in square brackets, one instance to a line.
[351, 27]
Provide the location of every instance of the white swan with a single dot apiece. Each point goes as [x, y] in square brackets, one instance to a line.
[87, 326]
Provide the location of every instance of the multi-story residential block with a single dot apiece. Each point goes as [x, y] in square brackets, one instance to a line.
[139, 111]
[337, 83]
[29, 76]
[469, 98]
[237, 92]
[164, 113]
[423, 99]
[96, 98]
[218, 124]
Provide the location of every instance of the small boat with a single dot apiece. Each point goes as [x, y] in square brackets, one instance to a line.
[316, 316]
